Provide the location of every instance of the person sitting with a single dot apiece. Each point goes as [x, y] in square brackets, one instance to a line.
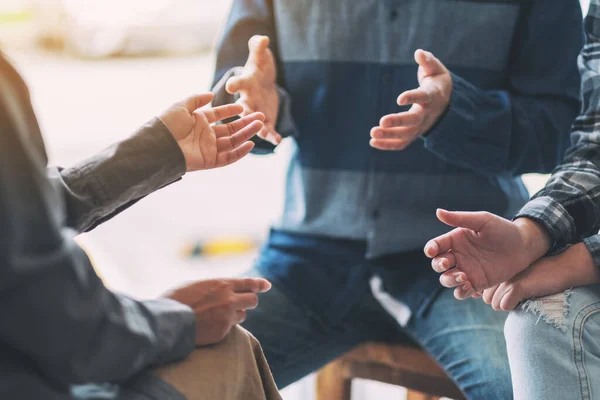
[545, 263]
[60, 325]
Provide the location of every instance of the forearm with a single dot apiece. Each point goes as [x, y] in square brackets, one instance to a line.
[105, 184]
[501, 132]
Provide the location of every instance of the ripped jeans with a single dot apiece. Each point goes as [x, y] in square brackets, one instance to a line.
[554, 346]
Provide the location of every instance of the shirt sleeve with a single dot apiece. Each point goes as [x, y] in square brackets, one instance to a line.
[55, 310]
[569, 205]
[246, 19]
[100, 187]
[524, 128]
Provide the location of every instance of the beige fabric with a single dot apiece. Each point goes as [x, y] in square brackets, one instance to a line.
[234, 369]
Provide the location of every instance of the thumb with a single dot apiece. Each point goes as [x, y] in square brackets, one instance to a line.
[430, 64]
[258, 46]
[197, 101]
[458, 219]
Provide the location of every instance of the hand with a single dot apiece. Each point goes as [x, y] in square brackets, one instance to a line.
[219, 304]
[550, 275]
[486, 250]
[207, 146]
[256, 87]
[429, 103]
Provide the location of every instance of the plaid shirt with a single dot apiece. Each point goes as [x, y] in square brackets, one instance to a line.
[569, 205]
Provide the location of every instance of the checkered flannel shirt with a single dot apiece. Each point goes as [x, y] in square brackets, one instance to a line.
[569, 205]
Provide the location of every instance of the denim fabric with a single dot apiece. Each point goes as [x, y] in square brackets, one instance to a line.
[551, 360]
[321, 306]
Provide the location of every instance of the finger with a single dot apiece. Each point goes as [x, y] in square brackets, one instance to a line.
[443, 262]
[460, 219]
[390, 144]
[509, 301]
[245, 301]
[222, 112]
[464, 292]
[250, 285]
[236, 84]
[477, 295]
[197, 101]
[430, 64]
[409, 118]
[415, 96]
[230, 143]
[240, 316]
[405, 133]
[451, 279]
[439, 245]
[270, 135]
[498, 295]
[488, 294]
[237, 125]
[259, 49]
[229, 157]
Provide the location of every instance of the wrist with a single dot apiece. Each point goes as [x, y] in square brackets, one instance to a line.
[584, 270]
[535, 238]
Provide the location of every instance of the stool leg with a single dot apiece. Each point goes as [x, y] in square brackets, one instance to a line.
[412, 395]
[332, 384]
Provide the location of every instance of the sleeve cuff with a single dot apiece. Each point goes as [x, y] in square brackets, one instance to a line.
[554, 217]
[593, 245]
[455, 137]
[175, 328]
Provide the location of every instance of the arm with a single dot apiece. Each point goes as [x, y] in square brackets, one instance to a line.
[569, 206]
[521, 129]
[54, 309]
[97, 189]
[572, 268]
[249, 18]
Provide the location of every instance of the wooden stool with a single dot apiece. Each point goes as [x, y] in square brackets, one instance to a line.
[400, 364]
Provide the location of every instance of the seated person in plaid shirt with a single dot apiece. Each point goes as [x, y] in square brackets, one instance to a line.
[546, 260]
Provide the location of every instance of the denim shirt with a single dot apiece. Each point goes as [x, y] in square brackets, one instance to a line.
[59, 325]
[341, 66]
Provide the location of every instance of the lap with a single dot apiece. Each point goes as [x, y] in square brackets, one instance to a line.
[233, 369]
[466, 338]
[554, 345]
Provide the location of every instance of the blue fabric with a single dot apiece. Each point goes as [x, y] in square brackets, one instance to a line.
[516, 93]
[321, 306]
[554, 353]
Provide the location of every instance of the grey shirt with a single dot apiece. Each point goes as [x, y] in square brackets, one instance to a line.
[59, 325]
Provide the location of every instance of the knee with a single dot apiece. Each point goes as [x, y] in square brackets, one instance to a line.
[530, 329]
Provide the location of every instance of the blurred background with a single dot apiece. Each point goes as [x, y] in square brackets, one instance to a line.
[99, 69]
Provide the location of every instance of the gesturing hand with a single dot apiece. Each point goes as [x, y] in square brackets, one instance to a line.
[256, 87]
[219, 304]
[203, 144]
[429, 102]
[486, 250]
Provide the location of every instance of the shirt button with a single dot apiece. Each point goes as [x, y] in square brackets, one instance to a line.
[375, 213]
[393, 15]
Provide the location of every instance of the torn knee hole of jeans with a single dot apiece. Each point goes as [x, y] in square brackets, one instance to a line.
[552, 309]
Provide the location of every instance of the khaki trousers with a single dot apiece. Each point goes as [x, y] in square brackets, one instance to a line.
[233, 369]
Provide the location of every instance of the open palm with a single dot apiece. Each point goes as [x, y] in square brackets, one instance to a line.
[204, 144]
[486, 250]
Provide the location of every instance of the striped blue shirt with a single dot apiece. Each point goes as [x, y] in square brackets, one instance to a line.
[343, 63]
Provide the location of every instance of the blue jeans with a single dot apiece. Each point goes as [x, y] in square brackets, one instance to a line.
[554, 346]
[321, 306]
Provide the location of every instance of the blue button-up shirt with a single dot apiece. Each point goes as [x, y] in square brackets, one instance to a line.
[341, 66]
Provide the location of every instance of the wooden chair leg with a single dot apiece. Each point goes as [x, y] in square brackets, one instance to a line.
[412, 395]
[332, 383]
